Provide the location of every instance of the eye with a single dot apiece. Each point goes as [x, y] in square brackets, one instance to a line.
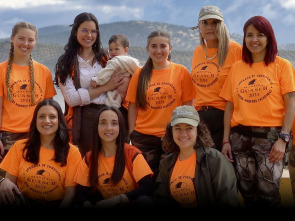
[94, 32]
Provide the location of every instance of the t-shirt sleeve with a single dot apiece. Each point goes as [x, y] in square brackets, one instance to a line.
[82, 173]
[141, 168]
[73, 162]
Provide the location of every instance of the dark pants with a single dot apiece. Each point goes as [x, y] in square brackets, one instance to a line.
[258, 179]
[151, 147]
[214, 119]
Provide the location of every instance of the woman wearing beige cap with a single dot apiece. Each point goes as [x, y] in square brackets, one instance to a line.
[211, 62]
[194, 174]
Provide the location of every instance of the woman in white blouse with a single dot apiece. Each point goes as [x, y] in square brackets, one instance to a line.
[83, 58]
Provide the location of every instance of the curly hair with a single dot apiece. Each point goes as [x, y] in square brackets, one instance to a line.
[204, 138]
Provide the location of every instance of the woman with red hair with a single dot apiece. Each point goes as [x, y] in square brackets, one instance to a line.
[259, 114]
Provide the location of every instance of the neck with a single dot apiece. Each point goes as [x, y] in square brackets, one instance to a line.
[186, 153]
[160, 66]
[108, 149]
[212, 43]
[259, 57]
[47, 141]
[21, 61]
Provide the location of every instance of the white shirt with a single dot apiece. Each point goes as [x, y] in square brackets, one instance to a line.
[81, 96]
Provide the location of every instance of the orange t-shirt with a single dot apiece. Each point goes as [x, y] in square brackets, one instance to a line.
[17, 114]
[105, 169]
[208, 77]
[168, 89]
[182, 181]
[257, 92]
[47, 179]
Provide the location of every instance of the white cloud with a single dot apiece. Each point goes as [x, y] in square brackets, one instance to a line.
[18, 4]
[287, 4]
[121, 11]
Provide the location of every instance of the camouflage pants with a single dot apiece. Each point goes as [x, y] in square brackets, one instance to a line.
[258, 179]
[291, 167]
[8, 139]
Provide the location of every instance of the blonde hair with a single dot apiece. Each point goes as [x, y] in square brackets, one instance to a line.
[223, 42]
[15, 29]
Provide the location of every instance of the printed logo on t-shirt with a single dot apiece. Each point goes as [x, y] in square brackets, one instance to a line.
[254, 88]
[21, 93]
[183, 190]
[161, 95]
[41, 178]
[107, 189]
[205, 74]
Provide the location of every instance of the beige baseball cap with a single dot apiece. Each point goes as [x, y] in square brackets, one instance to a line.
[209, 12]
[185, 114]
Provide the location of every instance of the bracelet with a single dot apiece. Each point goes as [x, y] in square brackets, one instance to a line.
[225, 142]
[1, 180]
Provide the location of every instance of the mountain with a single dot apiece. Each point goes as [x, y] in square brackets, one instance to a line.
[51, 41]
[182, 38]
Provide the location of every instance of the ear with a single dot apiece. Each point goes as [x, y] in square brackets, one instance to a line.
[126, 50]
[11, 38]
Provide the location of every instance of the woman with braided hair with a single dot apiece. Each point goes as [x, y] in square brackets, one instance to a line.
[23, 84]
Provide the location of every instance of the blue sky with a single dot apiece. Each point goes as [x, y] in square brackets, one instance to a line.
[42, 13]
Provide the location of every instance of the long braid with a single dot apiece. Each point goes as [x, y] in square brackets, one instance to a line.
[10, 61]
[32, 80]
[15, 29]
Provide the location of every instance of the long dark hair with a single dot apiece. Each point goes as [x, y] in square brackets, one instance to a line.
[64, 66]
[61, 141]
[204, 138]
[263, 26]
[146, 72]
[96, 147]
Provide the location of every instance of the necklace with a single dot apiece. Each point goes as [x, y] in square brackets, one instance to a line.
[211, 57]
[89, 57]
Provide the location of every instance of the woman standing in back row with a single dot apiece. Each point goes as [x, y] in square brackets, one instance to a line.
[260, 94]
[24, 83]
[83, 58]
[155, 90]
[211, 63]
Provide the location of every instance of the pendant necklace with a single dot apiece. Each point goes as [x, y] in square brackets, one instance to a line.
[211, 57]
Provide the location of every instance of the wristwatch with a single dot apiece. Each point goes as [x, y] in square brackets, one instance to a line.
[285, 137]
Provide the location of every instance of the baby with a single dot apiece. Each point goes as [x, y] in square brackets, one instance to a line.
[118, 48]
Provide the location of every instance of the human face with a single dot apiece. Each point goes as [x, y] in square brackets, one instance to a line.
[185, 136]
[256, 42]
[87, 34]
[108, 126]
[208, 29]
[47, 121]
[116, 49]
[159, 48]
[24, 42]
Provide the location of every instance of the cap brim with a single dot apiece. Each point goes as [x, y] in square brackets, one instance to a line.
[210, 17]
[184, 121]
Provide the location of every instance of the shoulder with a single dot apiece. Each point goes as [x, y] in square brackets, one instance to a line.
[40, 66]
[73, 148]
[131, 151]
[169, 160]
[281, 60]
[19, 145]
[178, 67]
[235, 47]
